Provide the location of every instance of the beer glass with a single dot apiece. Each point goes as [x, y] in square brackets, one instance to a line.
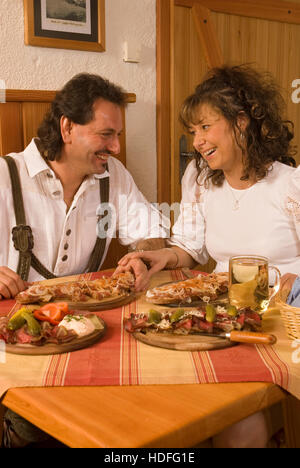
[249, 282]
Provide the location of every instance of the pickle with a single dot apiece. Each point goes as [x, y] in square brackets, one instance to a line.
[17, 321]
[33, 325]
[210, 313]
[177, 315]
[232, 311]
[154, 316]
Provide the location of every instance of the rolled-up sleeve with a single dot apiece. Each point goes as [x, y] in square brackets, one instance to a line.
[188, 231]
[137, 219]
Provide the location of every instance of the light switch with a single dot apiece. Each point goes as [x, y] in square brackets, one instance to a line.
[131, 52]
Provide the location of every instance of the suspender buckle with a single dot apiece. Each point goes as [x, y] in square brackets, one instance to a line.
[22, 238]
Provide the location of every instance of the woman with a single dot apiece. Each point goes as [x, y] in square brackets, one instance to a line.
[241, 193]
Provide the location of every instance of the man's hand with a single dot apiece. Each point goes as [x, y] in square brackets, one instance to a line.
[10, 283]
[140, 272]
[157, 259]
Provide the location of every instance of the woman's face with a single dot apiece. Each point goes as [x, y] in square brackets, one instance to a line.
[214, 139]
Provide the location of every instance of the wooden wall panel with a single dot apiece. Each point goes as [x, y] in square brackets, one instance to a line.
[189, 68]
[267, 45]
[10, 128]
[32, 116]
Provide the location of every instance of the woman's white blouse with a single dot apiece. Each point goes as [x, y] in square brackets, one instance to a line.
[267, 222]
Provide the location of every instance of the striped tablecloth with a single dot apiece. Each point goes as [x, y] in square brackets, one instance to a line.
[118, 359]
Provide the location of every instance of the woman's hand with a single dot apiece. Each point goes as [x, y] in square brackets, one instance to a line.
[140, 271]
[10, 283]
[156, 259]
[287, 281]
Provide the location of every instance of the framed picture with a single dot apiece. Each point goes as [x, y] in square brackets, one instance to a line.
[65, 24]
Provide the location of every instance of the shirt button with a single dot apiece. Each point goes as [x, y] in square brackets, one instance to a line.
[65, 257]
[56, 193]
[49, 175]
[66, 246]
[68, 232]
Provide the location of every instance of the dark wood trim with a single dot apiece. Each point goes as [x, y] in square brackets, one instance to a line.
[27, 95]
[163, 100]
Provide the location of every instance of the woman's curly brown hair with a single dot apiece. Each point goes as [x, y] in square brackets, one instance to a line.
[241, 89]
[75, 101]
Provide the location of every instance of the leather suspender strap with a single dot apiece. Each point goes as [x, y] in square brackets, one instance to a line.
[22, 234]
[98, 251]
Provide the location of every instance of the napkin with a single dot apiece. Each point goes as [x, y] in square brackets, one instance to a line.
[294, 296]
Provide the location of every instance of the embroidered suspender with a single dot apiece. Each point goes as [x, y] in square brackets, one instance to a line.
[22, 234]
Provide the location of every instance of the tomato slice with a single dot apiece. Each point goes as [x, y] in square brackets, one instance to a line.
[53, 312]
[64, 307]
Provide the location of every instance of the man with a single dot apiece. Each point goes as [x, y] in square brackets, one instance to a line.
[60, 173]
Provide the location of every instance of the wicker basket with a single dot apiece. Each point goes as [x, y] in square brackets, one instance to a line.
[290, 315]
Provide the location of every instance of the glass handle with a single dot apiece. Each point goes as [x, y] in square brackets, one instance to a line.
[277, 282]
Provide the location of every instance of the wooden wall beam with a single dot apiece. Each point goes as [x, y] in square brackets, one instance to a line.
[208, 37]
[273, 10]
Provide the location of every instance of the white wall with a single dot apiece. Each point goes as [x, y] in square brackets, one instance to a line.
[27, 67]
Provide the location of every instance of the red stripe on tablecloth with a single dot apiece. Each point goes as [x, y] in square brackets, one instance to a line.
[203, 367]
[241, 363]
[99, 364]
[278, 368]
[56, 370]
[129, 354]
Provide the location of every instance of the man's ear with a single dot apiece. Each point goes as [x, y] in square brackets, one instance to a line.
[66, 129]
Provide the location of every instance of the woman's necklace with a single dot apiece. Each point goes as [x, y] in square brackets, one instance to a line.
[237, 200]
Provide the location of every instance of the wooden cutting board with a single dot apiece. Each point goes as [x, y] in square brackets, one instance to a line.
[104, 304]
[184, 342]
[91, 304]
[51, 348]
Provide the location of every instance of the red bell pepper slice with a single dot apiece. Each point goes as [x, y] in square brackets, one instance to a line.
[53, 312]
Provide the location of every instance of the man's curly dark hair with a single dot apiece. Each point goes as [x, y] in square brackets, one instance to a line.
[75, 101]
[232, 90]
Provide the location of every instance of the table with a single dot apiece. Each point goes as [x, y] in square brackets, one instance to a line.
[140, 416]
[153, 413]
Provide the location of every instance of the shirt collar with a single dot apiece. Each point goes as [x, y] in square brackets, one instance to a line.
[35, 163]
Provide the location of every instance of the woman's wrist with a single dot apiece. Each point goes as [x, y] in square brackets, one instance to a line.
[174, 261]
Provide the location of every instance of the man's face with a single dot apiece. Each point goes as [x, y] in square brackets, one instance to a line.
[90, 145]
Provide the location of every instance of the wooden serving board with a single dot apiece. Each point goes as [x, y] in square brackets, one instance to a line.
[104, 304]
[51, 348]
[91, 304]
[184, 342]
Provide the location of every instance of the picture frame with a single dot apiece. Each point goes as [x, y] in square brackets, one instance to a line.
[65, 24]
